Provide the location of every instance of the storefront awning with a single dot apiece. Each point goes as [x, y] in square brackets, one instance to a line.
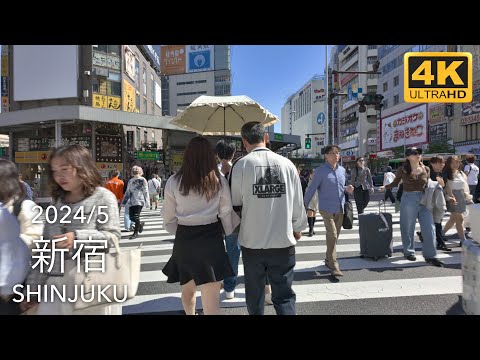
[10, 120]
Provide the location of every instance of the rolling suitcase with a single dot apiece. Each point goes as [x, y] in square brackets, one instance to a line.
[375, 234]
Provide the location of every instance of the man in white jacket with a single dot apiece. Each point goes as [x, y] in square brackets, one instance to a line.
[267, 188]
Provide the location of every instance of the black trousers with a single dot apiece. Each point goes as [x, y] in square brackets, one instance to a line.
[362, 198]
[276, 265]
[134, 213]
[389, 194]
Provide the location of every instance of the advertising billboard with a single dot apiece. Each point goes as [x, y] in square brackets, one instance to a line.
[200, 58]
[128, 97]
[405, 128]
[129, 63]
[45, 72]
[152, 51]
[172, 59]
[158, 95]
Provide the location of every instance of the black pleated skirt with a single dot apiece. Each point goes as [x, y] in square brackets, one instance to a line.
[198, 254]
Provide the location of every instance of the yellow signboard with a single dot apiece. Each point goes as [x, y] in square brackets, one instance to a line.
[444, 77]
[114, 103]
[109, 166]
[99, 101]
[128, 97]
[107, 102]
[31, 157]
[177, 159]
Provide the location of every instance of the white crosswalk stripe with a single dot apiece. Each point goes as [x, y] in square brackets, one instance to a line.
[363, 278]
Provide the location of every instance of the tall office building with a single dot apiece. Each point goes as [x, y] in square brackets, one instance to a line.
[304, 113]
[356, 131]
[189, 71]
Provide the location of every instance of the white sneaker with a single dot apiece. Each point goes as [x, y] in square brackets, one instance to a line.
[229, 294]
[268, 299]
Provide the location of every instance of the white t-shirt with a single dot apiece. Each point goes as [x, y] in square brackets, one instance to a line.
[472, 173]
[153, 186]
[388, 179]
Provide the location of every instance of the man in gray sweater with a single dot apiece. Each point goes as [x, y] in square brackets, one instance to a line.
[267, 188]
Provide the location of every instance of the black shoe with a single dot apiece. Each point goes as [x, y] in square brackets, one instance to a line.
[435, 262]
[411, 257]
[468, 229]
[140, 230]
[443, 248]
[134, 236]
[310, 233]
[420, 237]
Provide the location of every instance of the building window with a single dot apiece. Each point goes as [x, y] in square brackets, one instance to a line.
[109, 49]
[152, 88]
[192, 93]
[137, 135]
[137, 75]
[144, 80]
[385, 104]
[396, 81]
[137, 100]
[396, 99]
[145, 105]
[107, 87]
[385, 86]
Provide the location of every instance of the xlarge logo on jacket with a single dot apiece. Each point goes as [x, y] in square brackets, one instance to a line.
[268, 182]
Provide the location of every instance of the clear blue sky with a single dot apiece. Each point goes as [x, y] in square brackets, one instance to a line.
[269, 74]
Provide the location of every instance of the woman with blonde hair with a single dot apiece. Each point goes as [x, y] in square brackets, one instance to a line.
[197, 204]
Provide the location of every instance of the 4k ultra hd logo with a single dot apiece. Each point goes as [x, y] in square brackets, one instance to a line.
[438, 77]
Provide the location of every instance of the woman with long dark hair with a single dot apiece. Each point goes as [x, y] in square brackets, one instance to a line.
[415, 178]
[197, 204]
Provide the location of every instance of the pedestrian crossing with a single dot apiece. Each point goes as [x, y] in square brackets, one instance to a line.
[367, 287]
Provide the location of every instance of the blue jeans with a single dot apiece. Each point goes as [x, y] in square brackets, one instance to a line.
[233, 252]
[410, 210]
[278, 265]
[127, 222]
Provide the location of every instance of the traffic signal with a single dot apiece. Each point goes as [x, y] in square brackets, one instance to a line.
[370, 99]
[378, 102]
[308, 143]
[362, 106]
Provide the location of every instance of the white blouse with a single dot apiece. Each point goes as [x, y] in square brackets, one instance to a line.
[194, 209]
[459, 181]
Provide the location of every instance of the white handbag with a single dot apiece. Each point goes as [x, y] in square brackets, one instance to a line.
[121, 277]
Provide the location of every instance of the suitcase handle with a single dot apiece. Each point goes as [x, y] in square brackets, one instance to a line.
[384, 206]
[385, 222]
